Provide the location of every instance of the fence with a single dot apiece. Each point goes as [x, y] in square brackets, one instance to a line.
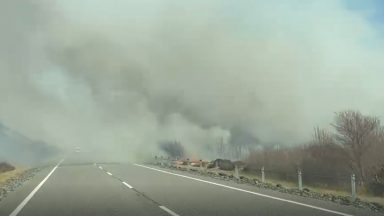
[300, 178]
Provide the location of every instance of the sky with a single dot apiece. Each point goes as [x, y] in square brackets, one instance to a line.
[119, 77]
[373, 9]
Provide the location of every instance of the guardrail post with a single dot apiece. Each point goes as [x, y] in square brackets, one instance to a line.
[236, 172]
[353, 186]
[188, 164]
[299, 175]
[262, 175]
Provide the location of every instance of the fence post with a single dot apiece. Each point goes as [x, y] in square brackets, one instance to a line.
[299, 175]
[353, 186]
[262, 175]
[236, 172]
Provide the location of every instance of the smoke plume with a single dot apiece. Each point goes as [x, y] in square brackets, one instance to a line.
[119, 77]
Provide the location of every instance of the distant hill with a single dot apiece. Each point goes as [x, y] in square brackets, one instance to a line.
[19, 149]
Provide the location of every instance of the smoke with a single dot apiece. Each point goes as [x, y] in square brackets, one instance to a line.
[20, 150]
[118, 77]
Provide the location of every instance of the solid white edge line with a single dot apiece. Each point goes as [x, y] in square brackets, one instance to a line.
[169, 211]
[250, 192]
[29, 197]
[126, 184]
[109, 173]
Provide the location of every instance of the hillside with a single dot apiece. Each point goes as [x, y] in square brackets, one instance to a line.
[19, 149]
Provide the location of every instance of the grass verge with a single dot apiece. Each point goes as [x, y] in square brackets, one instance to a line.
[362, 194]
[6, 176]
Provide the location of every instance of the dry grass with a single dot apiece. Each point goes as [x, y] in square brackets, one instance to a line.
[287, 184]
[361, 194]
[7, 175]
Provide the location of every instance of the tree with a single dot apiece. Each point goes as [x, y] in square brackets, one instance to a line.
[374, 160]
[322, 137]
[324, 156]
[221, 150]
[356, 132]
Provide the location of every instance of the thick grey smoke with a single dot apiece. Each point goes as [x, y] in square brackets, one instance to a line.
[118, 77]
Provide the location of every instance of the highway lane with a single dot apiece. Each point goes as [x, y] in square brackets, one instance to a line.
[14, 198]
[81, 189]
[77, 187]
[199, 195]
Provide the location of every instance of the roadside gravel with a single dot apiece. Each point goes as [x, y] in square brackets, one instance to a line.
[217, 174]
[12, 183]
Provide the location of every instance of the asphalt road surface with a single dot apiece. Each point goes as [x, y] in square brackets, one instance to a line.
[80, 187]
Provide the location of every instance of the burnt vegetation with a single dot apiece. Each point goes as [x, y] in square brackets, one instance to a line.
[173, 149]
[6, 167]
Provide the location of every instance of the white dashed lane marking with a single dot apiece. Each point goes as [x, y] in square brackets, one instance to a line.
[172, 213]
[126, 184]
[169, 211]
[249, 192]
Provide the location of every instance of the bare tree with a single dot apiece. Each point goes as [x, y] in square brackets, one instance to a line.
[221, 150]
[324, 146]
[355, 132]
[323, 137]
[374, 160]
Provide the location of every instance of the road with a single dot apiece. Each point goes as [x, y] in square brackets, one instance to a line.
[78, 187]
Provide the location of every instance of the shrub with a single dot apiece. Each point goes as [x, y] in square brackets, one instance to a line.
[224, 164]
[376, 188]
[5, 167]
